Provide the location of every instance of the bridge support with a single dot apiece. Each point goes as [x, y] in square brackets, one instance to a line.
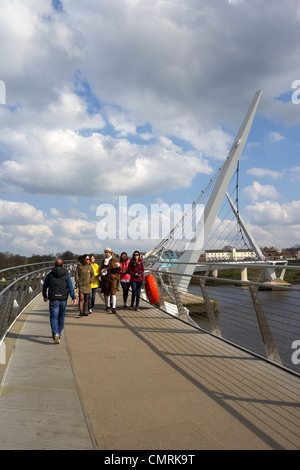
[213, 204]
[277, 282]
[213, 320]
[244, 274]
[266, 334]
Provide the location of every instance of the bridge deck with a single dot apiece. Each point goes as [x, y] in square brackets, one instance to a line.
[141, 380]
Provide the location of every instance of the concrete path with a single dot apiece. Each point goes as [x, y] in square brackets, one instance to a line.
[141, 380]
[40, 407]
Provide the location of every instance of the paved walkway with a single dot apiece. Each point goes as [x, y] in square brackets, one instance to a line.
[40, 407]
[141, 380]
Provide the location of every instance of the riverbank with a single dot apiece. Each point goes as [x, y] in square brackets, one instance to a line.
[291, 276]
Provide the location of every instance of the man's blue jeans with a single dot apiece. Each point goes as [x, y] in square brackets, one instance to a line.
[57, 316]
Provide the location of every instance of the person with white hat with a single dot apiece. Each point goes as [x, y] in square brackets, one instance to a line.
[109, 270]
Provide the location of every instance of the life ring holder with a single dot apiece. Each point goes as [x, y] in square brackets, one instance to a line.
[151, 289]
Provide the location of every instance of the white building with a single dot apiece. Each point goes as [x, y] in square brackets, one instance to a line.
[233, 254]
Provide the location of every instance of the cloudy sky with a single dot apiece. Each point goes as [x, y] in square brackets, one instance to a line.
[142, 99]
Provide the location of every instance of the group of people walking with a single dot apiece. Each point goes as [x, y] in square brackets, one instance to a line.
[89, 276]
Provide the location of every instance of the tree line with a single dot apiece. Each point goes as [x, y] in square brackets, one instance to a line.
[8, 260]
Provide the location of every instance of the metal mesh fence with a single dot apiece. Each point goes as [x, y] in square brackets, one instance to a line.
[261, 319]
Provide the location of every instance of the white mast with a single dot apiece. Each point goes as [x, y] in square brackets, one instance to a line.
[212, 207]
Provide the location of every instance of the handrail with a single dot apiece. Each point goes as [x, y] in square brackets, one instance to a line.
[244, 313]
[20, 292]
[235, 281]
[261, 318]
[277, 264]
[25, 267]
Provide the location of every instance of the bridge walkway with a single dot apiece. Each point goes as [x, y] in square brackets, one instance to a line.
[140, 380]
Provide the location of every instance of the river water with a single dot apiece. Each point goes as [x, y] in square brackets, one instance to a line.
[238, 322]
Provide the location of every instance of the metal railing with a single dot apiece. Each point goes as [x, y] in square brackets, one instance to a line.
[261, 318]
[12, 273]
[20, 285]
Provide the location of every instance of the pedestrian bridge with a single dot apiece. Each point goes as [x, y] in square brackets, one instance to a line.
[139, 380]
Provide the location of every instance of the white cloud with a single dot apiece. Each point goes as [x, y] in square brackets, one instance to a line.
[39, 50]
[275, 137]
[68, 212]
[120, 121]
[153, 60]
[27, 246]
[269, 212]
[69, 159]
[25, 229]
[275, 224]
[146, 136]
[160, 60]
[163, 60]
[19, 213]
[69, 111]
[258, 191]
[213, 143]
[188, 69]
[295, 173]
[266, 172]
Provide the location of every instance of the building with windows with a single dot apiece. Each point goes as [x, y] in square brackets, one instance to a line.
[230, 254]
[273, 253]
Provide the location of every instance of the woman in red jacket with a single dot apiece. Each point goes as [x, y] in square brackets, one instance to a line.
[136, 271]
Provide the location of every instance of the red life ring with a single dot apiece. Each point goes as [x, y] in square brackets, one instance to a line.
[151, 289]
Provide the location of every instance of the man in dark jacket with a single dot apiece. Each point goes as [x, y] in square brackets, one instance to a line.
[59, 285]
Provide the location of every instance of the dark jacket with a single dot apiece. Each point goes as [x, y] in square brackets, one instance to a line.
[136, 270]
[59, 284]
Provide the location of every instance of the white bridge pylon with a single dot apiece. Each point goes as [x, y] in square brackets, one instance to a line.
[212, 207]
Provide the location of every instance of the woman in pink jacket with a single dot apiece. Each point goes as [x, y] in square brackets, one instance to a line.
[124, 276]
